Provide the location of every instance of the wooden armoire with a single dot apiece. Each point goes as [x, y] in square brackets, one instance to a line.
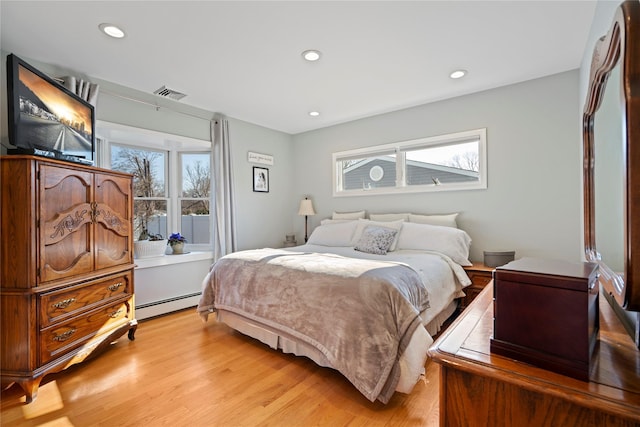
[66, 286]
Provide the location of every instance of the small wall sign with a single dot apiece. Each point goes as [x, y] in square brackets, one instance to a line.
[263, 159]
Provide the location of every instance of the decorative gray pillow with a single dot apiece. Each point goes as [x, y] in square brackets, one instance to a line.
[376, 240]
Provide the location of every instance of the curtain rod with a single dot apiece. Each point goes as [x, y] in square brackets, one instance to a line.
[156, 106]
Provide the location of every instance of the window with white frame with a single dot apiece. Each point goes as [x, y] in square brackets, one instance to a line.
[194, 199]
[441, 163]
[150, 193]
[171, 184]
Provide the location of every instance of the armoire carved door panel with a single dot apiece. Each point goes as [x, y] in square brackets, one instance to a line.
[65, 220]
[112, 220]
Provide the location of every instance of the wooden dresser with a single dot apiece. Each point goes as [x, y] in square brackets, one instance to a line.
[478, 388]
[66, 286]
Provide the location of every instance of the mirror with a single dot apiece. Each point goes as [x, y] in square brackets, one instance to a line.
[611, 136]
[609, 176]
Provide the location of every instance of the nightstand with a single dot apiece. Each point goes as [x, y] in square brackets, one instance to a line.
[480, 276]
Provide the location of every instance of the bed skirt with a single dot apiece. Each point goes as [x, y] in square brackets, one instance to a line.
[411, 361]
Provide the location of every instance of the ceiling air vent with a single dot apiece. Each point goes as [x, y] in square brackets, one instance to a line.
[169, 93]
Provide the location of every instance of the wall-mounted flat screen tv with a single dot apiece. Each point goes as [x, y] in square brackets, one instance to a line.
[46, 118]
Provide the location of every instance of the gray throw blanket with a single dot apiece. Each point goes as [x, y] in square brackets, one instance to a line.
[359, 313]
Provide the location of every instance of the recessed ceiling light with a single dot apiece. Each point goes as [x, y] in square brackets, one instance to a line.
[111, 30]
[457, 74]
[314, 113]
[311, 55]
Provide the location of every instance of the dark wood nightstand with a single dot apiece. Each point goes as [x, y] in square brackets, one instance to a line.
[480, 276]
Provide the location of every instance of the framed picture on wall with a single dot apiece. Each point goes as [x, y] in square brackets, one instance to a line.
[260, 179]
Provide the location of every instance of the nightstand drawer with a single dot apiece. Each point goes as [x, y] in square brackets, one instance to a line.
[479, 279]
[67, 302]
[471, 293]
[480, 276]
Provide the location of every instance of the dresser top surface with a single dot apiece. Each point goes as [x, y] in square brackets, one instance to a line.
[614, 381]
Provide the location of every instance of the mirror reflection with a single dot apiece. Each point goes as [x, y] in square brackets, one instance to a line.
[609, 179]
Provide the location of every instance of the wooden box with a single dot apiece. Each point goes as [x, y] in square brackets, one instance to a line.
[546, 314]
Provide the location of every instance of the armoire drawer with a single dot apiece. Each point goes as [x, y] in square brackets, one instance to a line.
[59, 339]
[67, 302]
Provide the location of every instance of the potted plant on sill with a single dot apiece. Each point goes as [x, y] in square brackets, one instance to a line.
[149, 245]
[177, 241]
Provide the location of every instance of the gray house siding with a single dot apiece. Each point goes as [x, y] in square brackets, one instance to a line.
[357, 176]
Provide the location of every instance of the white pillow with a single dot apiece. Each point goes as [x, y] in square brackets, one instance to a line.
[335, 234]
[445, 220]
[362, 223]
[452, 242]
[348, 215]
[376, 240]
[389, 217]
[335, 221]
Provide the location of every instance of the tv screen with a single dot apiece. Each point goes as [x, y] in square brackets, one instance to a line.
[46, 118]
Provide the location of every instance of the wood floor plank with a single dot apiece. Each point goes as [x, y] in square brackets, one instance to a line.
[182, 372]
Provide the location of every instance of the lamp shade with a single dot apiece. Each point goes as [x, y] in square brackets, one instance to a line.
[306, 207]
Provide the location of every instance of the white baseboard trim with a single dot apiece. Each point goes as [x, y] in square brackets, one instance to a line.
[159, 308]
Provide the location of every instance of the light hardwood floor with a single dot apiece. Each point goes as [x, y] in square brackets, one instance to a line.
[182, 372]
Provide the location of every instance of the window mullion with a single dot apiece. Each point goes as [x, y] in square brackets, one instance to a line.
[401, 165]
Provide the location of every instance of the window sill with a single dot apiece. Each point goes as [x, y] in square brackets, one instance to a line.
[170, 259]
[411, 189]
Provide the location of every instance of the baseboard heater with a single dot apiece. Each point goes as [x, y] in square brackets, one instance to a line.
[157, 308]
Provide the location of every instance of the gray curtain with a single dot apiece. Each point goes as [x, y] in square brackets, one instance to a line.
[223, 201]
[85, 90]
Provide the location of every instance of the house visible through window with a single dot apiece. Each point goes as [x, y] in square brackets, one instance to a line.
[447, 162]
[364, 173]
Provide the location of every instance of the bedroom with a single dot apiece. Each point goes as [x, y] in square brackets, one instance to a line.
[533, 156]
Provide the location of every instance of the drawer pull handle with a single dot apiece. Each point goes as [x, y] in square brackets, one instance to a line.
[64, 303]
[65, 335]
[115, 286]
[115, 314]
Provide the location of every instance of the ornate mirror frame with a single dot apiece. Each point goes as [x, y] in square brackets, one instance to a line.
[621, 44]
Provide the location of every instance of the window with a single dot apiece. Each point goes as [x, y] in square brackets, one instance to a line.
[442, 163]
[171, 181]
[194, 197]
[150, 193]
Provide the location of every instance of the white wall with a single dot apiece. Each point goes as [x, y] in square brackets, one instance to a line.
[533, 201]
[262, 218]
[172, 284]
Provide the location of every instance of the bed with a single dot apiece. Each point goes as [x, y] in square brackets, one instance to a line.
[363, 297]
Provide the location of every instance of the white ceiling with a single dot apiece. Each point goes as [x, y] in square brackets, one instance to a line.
[243, 58]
